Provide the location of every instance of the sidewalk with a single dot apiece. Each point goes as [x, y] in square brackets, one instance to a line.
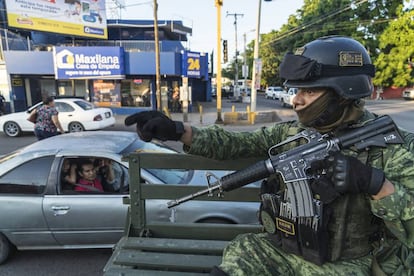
[209, 115]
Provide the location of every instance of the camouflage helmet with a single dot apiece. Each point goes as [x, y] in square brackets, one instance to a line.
[336, 62]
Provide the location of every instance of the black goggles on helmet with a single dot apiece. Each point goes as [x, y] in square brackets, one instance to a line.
[296, 67]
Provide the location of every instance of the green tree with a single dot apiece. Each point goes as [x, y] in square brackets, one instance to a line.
[363, 20]
[315, 19]
[396, 52]
[230, 70]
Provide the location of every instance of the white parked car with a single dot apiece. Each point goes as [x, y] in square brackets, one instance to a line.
[408, 94]
[74, 115]
[274, 92]
[288, 97]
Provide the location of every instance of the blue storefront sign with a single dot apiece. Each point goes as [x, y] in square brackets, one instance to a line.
[191, 64]
[89, 62]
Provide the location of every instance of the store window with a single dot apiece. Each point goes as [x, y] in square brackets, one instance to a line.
[81, 88]
[136, 92]
[48, 87]
[64, 88]
[106, 93]
[73, 88]
[173, 96]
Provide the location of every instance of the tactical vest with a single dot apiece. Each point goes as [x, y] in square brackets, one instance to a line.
[352, 228]
[348, 227]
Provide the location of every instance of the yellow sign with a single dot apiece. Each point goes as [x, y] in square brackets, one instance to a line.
[85, 18]
[285, 226]
[17, 82]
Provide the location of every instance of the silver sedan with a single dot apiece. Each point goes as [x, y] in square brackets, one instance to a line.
[39, 212]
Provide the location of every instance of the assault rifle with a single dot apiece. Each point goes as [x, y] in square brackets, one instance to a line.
[294, 164]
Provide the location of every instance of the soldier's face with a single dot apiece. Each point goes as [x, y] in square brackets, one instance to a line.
[306, 96]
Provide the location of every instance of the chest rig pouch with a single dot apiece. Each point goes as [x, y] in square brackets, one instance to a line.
[302, 236]
[330, 234]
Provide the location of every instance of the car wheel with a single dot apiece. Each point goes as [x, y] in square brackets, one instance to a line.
[274, 97]
[75, 127]
[6, 248]
[12, 129]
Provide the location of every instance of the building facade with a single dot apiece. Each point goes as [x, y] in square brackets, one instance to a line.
[119, 72]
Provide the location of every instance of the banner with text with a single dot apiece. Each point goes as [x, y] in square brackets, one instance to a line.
[89, 62]
[85, 18]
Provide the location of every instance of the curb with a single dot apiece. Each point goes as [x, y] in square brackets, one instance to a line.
[234, 116]
[243, 118]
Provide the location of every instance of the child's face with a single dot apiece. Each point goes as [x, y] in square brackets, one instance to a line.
[88, 172]
[66, 165]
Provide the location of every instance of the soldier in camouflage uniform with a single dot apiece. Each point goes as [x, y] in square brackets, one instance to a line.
[367, 196]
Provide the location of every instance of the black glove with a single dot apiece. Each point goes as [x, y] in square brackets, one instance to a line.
[349, 175]
[323, 187]
[154, 124]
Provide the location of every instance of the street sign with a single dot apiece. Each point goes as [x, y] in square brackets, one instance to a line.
[258, 67]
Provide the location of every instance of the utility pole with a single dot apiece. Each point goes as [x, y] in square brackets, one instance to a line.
[257, 63]
[245, 70]
[157, 59]
[219, 120]
[236, 78]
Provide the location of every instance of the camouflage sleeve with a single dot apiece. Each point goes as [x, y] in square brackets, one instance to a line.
[397, 209]
[218, 143]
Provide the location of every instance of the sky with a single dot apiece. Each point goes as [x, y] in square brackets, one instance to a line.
[201, 15]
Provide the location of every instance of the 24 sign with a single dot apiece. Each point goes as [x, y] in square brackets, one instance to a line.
[191, 64]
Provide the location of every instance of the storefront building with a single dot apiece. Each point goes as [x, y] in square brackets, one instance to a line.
[117, 73]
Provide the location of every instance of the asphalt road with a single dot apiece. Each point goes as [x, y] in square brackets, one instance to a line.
[90, 262]
[86, 262]
[208, 116]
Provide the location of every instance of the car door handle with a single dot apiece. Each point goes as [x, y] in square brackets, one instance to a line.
[60, 210]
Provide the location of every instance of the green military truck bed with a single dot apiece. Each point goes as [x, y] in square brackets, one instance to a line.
[174, 248]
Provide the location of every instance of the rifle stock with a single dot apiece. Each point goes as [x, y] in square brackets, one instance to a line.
[293, 164]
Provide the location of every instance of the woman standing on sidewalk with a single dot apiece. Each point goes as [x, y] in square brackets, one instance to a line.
[47, 122]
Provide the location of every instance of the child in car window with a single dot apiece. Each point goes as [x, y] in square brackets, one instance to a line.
[88, 179]
[68, 175]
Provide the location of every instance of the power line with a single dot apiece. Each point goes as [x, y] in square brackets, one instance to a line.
[320, 19]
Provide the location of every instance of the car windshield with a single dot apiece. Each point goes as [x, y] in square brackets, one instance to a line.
[169, 176]
[85, 105]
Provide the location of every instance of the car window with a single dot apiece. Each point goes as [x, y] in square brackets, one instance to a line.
[168, 176]
[292, 91]
[69, 178]
[84, 105]
[28, 178]
[171, 176]
[63, 107]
